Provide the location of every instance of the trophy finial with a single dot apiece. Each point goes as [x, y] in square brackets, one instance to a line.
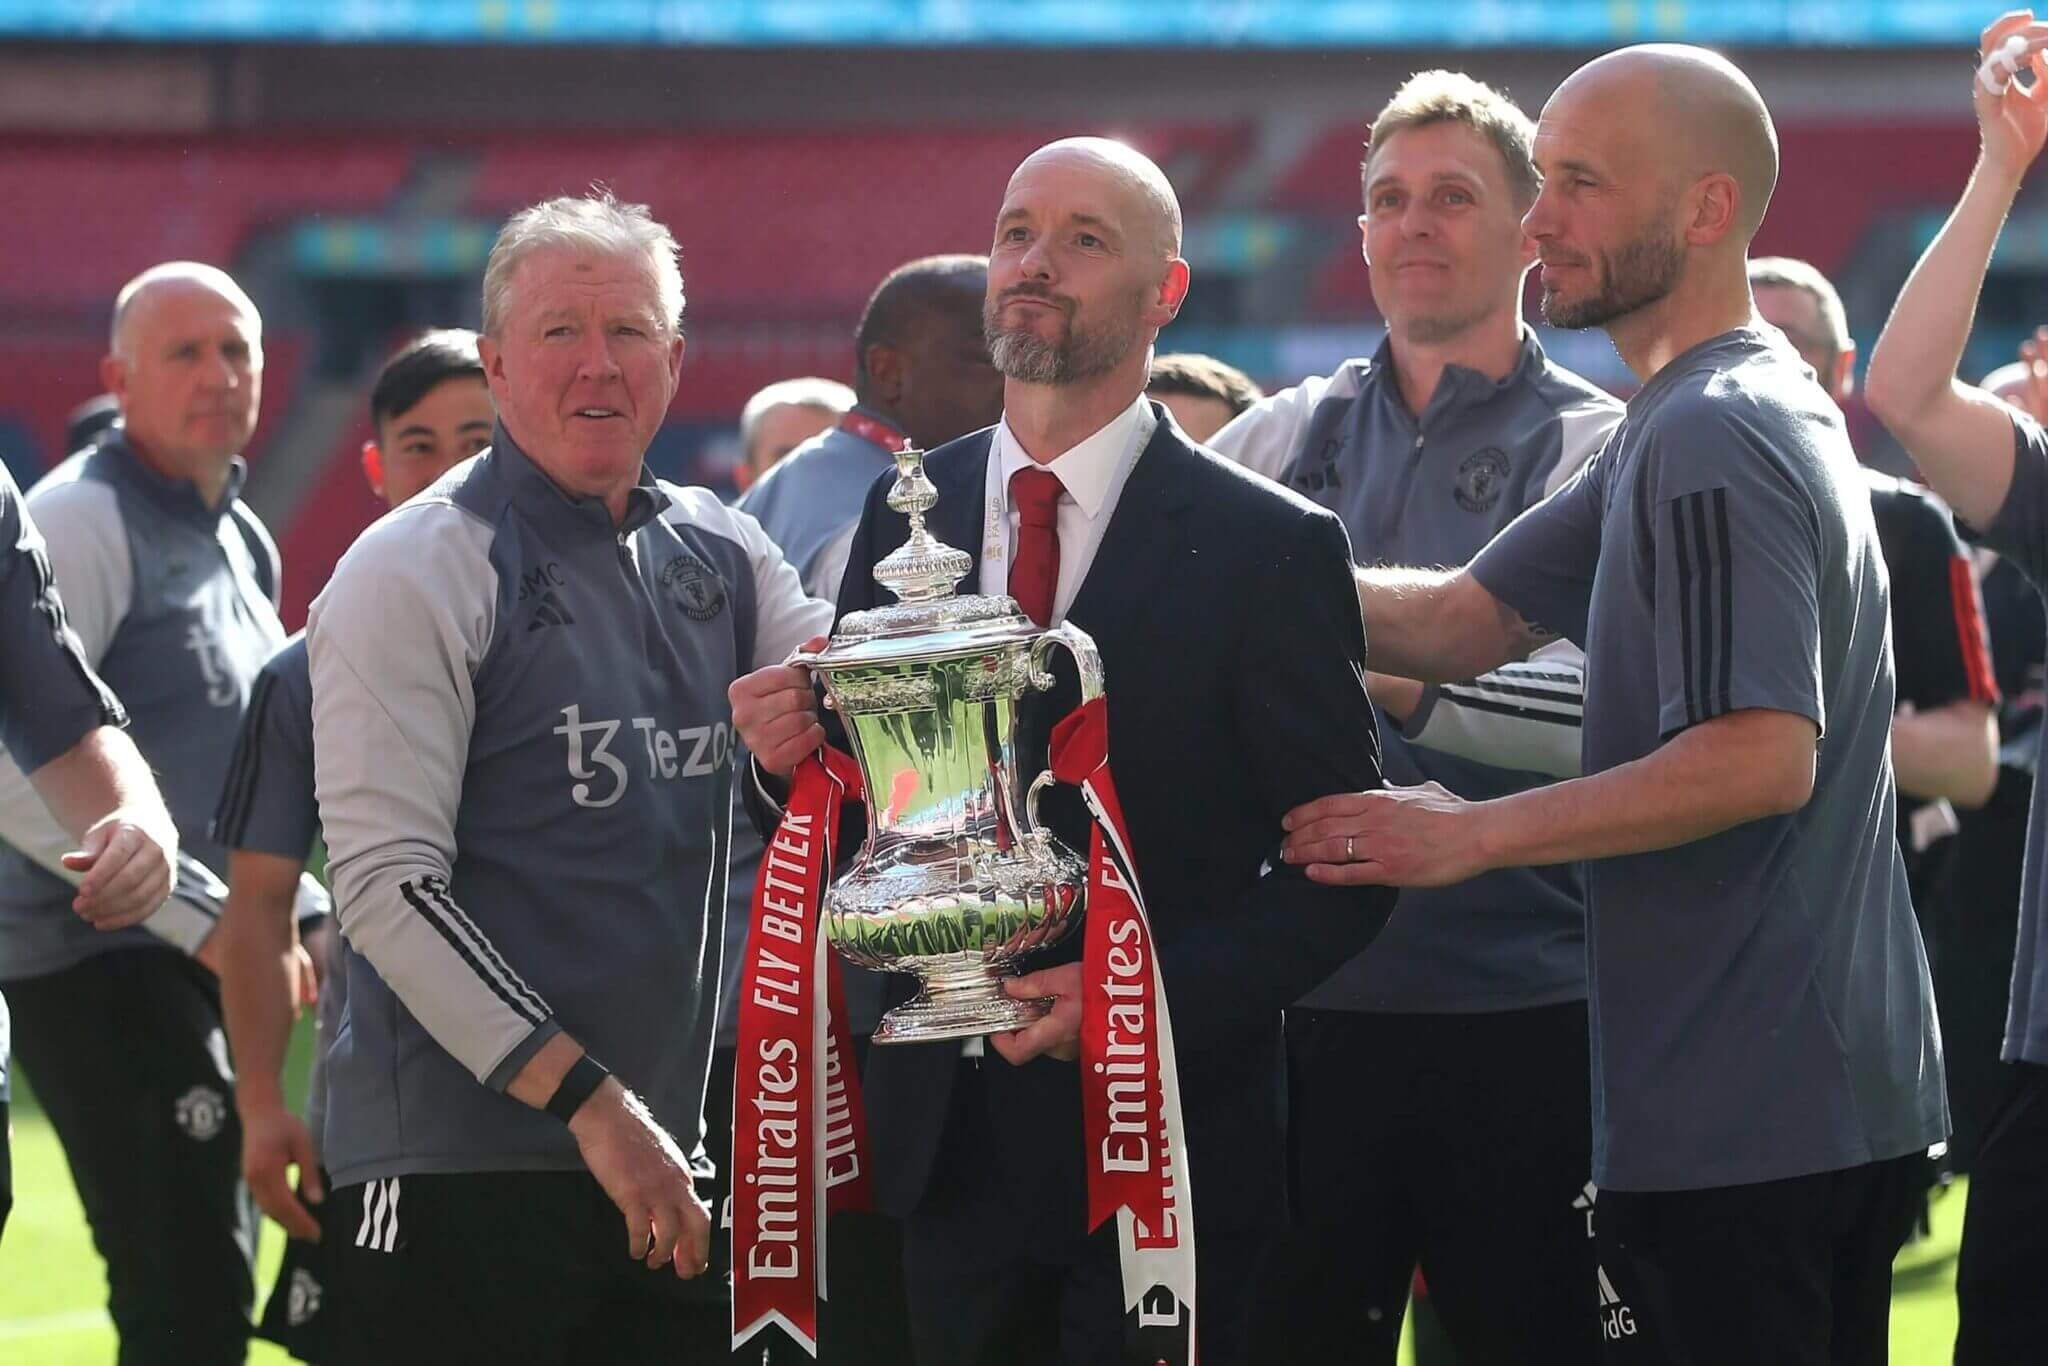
[923, 567]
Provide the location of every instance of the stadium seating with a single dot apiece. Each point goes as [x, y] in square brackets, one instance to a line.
[90, 213]
[801, 225]
[784, 233]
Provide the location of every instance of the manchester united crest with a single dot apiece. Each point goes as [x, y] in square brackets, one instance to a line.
[1481, 477]
[694, 587]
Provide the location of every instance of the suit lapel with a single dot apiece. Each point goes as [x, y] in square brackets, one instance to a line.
[1140, 537]
[963, 494]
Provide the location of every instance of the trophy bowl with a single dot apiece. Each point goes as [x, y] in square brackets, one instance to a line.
[956, 880]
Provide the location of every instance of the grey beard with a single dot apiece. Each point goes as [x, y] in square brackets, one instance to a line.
[1028, 358]
[1024, 356]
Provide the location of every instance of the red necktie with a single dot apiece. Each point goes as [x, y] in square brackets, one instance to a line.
[1035, 572]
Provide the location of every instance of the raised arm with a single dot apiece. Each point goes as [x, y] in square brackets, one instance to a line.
[1960, 437]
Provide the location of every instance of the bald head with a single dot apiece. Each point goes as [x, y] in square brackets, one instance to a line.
[186, 365]
[1085, 268]
[1138, 181]
[171, 283]
[1692, 110]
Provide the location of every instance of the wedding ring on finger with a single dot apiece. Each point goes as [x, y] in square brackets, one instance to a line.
[1350, 850]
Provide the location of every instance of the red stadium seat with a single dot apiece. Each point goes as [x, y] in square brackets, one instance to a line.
[92, 212]
[802, 225]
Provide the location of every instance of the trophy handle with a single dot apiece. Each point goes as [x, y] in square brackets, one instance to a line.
[1088, 660]
[1081, 646]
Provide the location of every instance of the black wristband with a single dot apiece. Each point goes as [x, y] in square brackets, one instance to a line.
[585, 1075]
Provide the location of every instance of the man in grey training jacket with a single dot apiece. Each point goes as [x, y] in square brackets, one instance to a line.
[170, 582]
[1766, 1069]
[1439, 1080]
[522, 750]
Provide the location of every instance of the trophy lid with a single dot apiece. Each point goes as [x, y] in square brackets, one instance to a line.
[929, 620]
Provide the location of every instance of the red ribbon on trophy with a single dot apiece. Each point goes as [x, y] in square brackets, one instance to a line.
[1130, 1087]
[799, 1133]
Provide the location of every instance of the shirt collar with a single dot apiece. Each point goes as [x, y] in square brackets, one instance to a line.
[1087, 470]
[179, 497]
[538, 494]
[1460, 385]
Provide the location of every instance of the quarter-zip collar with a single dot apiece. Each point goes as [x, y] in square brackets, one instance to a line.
[540, 497]
[179, 498]
[1460, 387]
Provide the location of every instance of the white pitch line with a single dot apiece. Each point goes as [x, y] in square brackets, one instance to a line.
[44, 1325]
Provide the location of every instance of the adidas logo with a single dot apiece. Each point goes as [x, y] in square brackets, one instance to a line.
[1617, 1320]
[1584, 1203]
[549, 611]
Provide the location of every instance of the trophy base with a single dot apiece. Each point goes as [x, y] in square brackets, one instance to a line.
[958, 1006]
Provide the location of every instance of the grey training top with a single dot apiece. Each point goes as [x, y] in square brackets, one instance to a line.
[1760, 1000]
[2020, 533]
[173, 603]
[522, 747]
[1432, 490]
[809, 504]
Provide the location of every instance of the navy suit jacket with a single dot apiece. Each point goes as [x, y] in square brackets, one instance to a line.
[1233, 652]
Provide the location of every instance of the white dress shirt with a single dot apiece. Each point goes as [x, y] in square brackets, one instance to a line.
[1092, 474]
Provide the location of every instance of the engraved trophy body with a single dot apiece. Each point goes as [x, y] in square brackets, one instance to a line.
[956, 880]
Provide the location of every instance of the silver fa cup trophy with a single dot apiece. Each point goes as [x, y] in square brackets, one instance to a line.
[957, 880]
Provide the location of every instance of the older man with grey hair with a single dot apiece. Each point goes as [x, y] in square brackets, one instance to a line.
[523, 756]
[782, 416]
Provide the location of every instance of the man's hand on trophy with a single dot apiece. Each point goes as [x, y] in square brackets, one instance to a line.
[1420, 836]
[775, 711]
[1058, 1035]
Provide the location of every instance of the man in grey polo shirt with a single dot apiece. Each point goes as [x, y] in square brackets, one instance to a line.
[522, 749]
[1766, 1070]
[1990, 461]
[1439, 1080]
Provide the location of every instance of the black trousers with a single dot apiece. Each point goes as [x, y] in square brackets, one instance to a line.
[1459, 1143]
[1000, 1278]
[1792, 1273]
[2001, 1307]
[129, 1061]
[479, 1269]
[1970, 949]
